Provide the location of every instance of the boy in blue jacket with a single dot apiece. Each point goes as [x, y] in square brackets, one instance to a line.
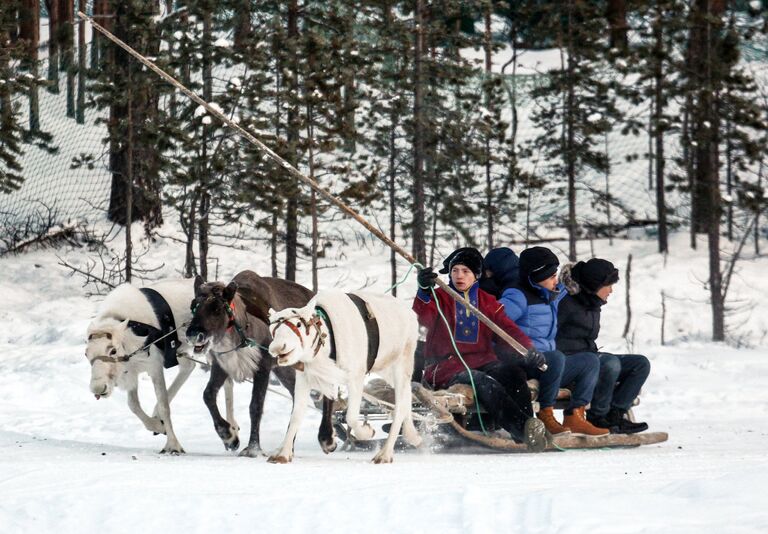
[531, 299]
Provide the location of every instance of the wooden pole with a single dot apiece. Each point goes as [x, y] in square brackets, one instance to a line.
[290, 169]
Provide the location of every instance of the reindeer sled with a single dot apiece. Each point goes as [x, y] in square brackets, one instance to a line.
[451, 420]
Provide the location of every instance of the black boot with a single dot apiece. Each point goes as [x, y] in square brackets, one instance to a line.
[601, 421]
[618, 418]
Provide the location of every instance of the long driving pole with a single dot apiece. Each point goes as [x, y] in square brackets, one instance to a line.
[293, 171]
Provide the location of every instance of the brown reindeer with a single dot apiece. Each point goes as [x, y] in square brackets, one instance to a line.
[231, 324]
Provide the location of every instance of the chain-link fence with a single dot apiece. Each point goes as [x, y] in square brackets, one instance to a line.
[70, 183]
[74, 183]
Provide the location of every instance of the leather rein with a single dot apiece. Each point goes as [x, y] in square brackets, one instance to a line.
[315, 322]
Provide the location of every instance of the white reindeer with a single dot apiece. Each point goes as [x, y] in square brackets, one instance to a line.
[115, 353]
[301, 338]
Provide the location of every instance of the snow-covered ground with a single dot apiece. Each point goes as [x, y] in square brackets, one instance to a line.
[69, 463]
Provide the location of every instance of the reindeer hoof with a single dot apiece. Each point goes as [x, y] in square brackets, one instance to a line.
[364, 432]
[278, 459]
[229, 437]
[328, 446]
[251, 452]
[157, 426]
[382, 459]
[173, 451]
[232, 444]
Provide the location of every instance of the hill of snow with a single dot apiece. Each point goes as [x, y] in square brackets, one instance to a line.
[69, 463]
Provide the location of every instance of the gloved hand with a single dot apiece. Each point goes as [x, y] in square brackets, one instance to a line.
[535, 358]
[426, 278]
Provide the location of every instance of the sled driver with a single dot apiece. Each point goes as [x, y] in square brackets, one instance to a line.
[500, 387]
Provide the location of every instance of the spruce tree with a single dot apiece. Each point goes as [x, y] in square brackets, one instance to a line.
[16, 52]
[577, 105]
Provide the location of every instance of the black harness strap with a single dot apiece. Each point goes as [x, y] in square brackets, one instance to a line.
[371, 328]
[164, 315]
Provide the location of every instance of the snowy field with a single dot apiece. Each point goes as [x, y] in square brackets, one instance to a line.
[69, 463]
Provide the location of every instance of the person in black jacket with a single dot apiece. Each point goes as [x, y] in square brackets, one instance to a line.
[589, 285]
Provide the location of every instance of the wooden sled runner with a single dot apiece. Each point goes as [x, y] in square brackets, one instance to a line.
[447, 417]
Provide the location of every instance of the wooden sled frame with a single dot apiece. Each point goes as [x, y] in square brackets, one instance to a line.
[445, 415]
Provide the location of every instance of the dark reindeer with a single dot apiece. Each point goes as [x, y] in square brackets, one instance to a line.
[231, 323]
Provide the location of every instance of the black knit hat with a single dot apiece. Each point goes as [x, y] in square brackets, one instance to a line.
[537, 264]
[594, 274]
[468, 256]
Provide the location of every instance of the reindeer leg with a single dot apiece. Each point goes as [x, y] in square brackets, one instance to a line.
[402, 385]
[258, 393]
[226, 431]
[229, 402]
[326, 435]
[186, 366]
[172, 444]
[355, 396]
[153, 424]
[286, 376]
[300, 400]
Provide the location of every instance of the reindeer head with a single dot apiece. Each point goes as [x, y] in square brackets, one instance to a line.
[212, 312]
[105, 350]
[293, 339]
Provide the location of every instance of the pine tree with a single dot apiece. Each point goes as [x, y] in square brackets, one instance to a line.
[577, 105]
[11, 86]
[656, 61]
[15, 51]
[135, 24]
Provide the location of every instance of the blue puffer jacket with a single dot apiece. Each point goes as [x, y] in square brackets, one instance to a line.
[530, 306]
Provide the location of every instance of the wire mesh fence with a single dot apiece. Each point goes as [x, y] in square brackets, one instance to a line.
[74, 183]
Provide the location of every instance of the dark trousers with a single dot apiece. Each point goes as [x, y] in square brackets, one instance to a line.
[619, 383]
[549, 380]
[580, 373]
[503, 391]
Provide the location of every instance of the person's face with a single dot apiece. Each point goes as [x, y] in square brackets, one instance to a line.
[462, 277]
[604, 292]
[549, 283]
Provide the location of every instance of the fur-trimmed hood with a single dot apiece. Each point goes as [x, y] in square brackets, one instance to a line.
[566, 278]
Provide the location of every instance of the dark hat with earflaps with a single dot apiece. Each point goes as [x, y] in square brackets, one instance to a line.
[468, 256]
[594, 274]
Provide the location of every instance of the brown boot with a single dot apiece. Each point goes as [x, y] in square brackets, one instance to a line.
[577, 422]
[547, 415]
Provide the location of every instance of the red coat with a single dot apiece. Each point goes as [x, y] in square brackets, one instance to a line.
[473, 339]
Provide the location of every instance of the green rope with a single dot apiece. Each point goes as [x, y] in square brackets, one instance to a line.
[403, 279]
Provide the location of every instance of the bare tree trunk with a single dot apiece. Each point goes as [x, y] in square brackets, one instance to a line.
[54, 11]
[313, 197]
[628, 279]
[242, 16]
[129, 185]
[729, 179]
[203, 224]
[418, 228]
[570, 156]
[663, 317]
[203, 232]
[81, 68]
[658, 108]
[689, 167]
[616, 13]
[190, 225]
[29, 32]
[608, 192]
[706, 67]
[759, 208]
[489, 212]
[292, 212]
[67, 43]
[273, 243]
[392, 206]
